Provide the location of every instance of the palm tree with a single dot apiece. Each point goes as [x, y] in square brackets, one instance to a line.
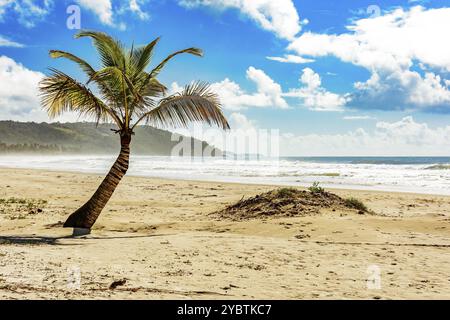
[120, 92]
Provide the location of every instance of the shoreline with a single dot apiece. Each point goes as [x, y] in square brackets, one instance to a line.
[159, 236]
[246, 181]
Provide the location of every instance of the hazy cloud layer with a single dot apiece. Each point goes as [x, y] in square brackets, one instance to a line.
[405, 137]
[5, 42]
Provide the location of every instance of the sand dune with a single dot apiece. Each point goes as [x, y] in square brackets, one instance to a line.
[157, 239]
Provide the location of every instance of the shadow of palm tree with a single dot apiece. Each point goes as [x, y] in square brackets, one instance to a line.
[32, 240]
[40, 240]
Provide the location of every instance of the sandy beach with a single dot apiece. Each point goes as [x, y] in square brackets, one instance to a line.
[157, 240]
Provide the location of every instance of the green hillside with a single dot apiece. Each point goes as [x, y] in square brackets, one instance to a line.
[81, 138]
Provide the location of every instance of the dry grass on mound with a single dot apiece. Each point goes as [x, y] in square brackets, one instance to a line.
[288, 202]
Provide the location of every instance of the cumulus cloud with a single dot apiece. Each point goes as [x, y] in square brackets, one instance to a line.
[290, 58]
[5, 42]
[19, 96]
[239, 121]
[28, 12]
[102, 8]
[398, 37]
[270, 94]
[279, 17]
[402, 90]
[18, 92]
[314, 96]
[268, 90]
[233, 97]
[389, 46]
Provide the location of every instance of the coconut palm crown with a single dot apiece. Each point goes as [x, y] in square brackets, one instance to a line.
[123, 92]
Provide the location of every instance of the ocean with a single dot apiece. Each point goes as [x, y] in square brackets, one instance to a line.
[430, 175]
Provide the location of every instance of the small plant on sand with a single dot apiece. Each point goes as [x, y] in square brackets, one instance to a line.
[355, 204]
[316, 188]
[20, 208]
[286, 192]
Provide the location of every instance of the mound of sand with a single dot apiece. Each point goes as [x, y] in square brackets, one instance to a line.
[286, 202]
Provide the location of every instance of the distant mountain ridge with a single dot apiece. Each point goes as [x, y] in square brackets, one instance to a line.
[84, 138]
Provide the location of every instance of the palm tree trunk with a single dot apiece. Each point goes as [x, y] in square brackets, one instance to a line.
[86, 216]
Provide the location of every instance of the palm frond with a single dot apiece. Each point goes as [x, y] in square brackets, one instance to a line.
[154, 73]
[111, 74]
[116, 79]
[154, 88]
[111, 51]
[146, 96]
[61, 93]
[159, 67]
[140, 57]
[86, 67]
[106, 88]
[195, 103]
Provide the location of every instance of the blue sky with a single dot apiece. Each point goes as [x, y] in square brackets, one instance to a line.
[337, 78]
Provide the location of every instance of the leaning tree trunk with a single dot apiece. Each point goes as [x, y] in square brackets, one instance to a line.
[86, 216]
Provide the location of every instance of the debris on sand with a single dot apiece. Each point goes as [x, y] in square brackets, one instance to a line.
[118, 283]
[285, 202]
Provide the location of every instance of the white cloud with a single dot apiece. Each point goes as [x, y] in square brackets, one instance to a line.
[102, 8]
[19, 89]
[270, 94]
[5, 42]
[233, 97]
[290, 58]
[19, 96]
[314, 96]
[28, 12]
[399, 36]
[107, 13]
[239, 121]
[267, 88]
[402, 90]
[389, 46]
[136, 8]
[279, 17]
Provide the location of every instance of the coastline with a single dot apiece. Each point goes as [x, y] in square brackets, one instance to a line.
[391, 174]
[166, 245]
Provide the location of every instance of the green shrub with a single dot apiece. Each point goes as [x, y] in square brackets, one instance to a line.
[316, 188]
[355, 204]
